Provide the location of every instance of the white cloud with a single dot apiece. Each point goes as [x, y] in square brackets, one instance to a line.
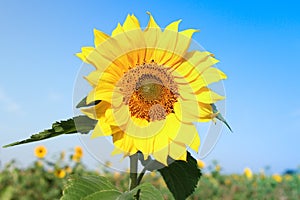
[7, 104]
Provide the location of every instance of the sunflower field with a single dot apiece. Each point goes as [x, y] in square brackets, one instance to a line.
[45, 179]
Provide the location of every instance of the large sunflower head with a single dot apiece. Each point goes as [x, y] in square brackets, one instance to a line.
[151, 88]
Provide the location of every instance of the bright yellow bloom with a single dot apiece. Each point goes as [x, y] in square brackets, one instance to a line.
[277, 178]
[40, 151]
[151, 87]
[248, 173]
[200, 164]
[78, 151]
[60, 173]
[76, 158]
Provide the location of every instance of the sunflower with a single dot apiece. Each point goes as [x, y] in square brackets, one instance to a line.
[60, 173]
[40, 151]
[248, 173]
[151, 89]
[78, 151]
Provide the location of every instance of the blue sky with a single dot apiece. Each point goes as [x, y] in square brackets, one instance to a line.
[257, 42]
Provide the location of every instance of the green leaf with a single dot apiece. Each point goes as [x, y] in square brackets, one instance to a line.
[144, 191]
[83, 103]
[220, 117]
[88, 188]
[181, 177]
[104, 195]
[79, 124]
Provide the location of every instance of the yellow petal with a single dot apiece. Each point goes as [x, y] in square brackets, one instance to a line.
[173, 26]
[117, 30]
[187, 110]
[145, 145]
[99, 37]
[161, 148]
[85, 51]
[131, 23]
[209, 76]
[189, 32]
[207, 96]
[177, 151]
[206, 112]
[101, 129]
[104, 95]
[151, 23]
[185, 134]
[97, 111]
[124, 142]
[135, 20]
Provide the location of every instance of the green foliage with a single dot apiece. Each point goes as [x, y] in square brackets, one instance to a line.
[144, 191]
[83, 103]
[39, 181]
[80, 124]
[99, 187]
[181, 177]
[88, 187]
[219, 116]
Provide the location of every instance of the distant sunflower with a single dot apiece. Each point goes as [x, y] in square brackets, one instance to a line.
[248, 173]
[40, 151]
[60, 173]
[151, 88]
[78, 151]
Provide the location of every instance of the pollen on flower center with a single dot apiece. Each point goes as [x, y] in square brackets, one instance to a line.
[150, 91]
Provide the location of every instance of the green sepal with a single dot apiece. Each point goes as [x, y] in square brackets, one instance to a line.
[83, 103]
[181, 177]
[219, 116]
[79, 124]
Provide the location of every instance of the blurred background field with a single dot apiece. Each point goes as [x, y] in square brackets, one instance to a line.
[45, 178]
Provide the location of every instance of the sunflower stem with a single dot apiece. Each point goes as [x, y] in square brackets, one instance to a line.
[141, 176]
[133, 171]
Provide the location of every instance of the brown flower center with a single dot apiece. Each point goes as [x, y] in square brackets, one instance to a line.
[150, 91]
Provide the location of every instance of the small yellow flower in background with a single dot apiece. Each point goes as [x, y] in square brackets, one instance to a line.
[235, 177]
[108, 164]
[76, 158]
[60, 173]
[40, 151]
[68, 169]
[201, 164]
[227, 181]
[277, 178]
[288, 177]
[153, 174]
[78, 151]
[62, 155]
[152, 88]
[248, 173]
[218, 168]
[39, 163]
[262, 174]
[117, 175]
